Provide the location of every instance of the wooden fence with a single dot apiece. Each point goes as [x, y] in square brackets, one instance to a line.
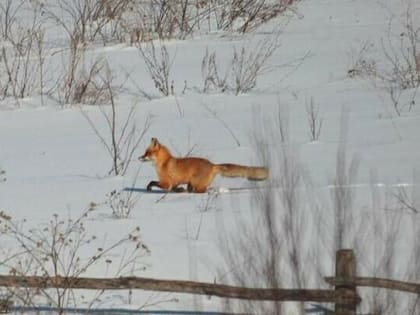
[344, 295]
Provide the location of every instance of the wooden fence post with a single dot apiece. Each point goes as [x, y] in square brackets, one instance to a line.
[345, 269]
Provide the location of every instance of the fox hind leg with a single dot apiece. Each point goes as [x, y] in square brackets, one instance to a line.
[200, 189]
[190, 188]
[161, 185]
[197, 188]
[178, 189]
[199, 184]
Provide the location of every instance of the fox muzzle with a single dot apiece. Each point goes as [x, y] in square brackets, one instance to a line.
[143, 158]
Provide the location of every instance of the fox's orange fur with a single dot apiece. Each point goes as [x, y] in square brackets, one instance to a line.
[196, 173]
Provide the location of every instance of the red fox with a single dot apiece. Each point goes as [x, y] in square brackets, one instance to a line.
[196, 173]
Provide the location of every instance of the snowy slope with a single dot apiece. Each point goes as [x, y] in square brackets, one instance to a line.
[55, 163]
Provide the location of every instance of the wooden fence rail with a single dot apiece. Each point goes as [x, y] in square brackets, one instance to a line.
[376, 283]
[344, 295]
[177, 286]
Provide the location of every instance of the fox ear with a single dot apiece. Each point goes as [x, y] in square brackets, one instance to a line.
[154, 142]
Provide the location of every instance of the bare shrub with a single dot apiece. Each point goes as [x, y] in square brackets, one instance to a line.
[124, 136]
[366, 67]
[82, 20]
[244, 68]
[114, 20]
[73, 17]
[164, 19]
[57, 249]
[335, 220]
[361, 65]
[82, 82]
[406, 200]
[342, 191]
[8, 17]
[129, 25]
[67, 81]
[282, 122]
[108, 18]
[89, 87]
[270, 249]
[386, 231]
[408, 209]
[247, 65]
[142, 21]
[408, 203]
[210, 74]
[401, 54]
[293, 219]
[123, 201]
[23, 58]
[252, 257]
[252, 252]
[404, 58]
[401, 70]
[120, 20]
[170, 18]
[314, 120]
[87, 21]
[158, 63]
[246, 15]
[303, 227]
[387, 227]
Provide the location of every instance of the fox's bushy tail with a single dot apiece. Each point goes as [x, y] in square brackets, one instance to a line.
[250, 172]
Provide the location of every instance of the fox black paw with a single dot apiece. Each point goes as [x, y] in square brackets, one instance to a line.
[150, 185]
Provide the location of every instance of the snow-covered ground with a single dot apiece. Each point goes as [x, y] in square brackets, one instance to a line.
[54, 162]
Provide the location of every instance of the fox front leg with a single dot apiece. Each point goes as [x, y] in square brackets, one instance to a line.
[153, 183]
[164, 186]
